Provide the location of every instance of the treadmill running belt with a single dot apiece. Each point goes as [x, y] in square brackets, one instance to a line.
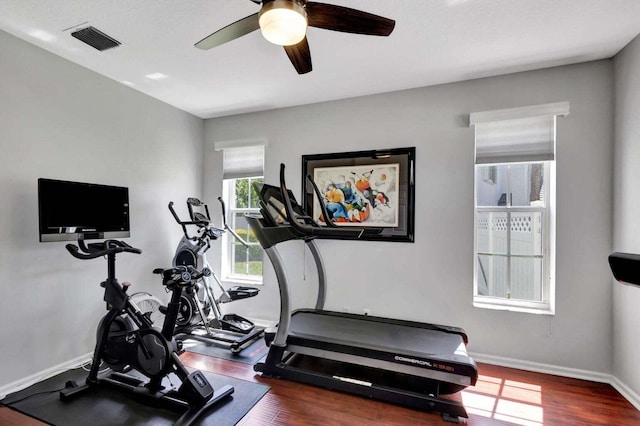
[369, 333]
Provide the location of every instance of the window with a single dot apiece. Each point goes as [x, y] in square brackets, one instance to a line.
[242, 263]
[512, 238]
[514, 259]
[243, 166]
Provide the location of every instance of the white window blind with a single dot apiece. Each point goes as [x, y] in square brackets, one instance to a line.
[243, 158]
[522, 134]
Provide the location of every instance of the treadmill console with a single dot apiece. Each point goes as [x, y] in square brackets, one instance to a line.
[272, 205]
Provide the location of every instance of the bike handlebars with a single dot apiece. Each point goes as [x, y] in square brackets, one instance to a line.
[181, 275]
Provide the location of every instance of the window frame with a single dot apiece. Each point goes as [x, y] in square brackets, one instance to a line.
[227, 255]
[547, 305]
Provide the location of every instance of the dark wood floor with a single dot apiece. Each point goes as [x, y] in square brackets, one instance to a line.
[502, 396]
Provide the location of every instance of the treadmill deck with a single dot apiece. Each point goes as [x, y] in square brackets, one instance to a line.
[407, 343]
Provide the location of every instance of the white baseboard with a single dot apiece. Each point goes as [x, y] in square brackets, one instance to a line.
[42, 375]
[626, 391]
[543, 368]
[574, 373]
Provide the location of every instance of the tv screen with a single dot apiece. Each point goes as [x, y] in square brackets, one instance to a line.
[69, 209]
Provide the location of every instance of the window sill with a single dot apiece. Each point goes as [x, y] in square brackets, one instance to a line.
[513, 308]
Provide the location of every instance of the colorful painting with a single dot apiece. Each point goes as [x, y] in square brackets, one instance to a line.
[358, 195]
[372, 189]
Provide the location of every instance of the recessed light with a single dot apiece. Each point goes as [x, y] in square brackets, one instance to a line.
[156, 76]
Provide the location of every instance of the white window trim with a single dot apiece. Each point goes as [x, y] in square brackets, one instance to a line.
[239, 143]
[227, 240]
[224, 260]
[547, 306]
[558, 109]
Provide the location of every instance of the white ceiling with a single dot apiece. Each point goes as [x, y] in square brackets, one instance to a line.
[434, 42]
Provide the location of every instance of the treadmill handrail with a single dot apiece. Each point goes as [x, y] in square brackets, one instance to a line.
[319, 231]
[325, 213]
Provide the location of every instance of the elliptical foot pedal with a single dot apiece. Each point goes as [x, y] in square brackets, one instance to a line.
[241, 292]
[233, 322]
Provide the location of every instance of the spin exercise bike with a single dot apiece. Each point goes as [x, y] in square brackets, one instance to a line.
[127, 340]
[200, 315]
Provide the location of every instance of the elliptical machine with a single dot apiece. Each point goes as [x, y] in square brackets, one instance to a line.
[200, 315]
[126, 339]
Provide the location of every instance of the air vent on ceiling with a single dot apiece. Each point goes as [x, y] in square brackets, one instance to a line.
[95, 38]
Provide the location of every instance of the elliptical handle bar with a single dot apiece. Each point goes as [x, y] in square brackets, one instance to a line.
[180, 222]
[226, 227]
[183, 223]
[108, 247]
[173, 212]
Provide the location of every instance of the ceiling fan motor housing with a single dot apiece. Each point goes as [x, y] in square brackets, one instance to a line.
[283, 22]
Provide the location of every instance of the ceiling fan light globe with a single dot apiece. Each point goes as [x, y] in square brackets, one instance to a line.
[283, 22]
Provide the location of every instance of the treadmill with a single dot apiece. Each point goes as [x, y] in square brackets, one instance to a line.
[402, 362]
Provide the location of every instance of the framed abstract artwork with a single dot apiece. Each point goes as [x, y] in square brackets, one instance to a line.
[363, 189]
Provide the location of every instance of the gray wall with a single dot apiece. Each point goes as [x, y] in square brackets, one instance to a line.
[59, 120]
[432, 280]
[626, 299]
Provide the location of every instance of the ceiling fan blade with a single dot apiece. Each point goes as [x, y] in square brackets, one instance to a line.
[300, 56]
[340, 18]
[230, 32]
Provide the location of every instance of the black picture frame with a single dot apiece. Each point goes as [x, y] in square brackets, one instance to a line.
[401, 159]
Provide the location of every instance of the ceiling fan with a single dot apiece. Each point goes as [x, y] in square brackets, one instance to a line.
[284, 22]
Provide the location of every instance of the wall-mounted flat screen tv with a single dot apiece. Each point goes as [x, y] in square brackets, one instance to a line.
[69, 210]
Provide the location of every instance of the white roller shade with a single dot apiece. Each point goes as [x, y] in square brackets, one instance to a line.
[242, 159]
[517, 135]
[526, 139]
